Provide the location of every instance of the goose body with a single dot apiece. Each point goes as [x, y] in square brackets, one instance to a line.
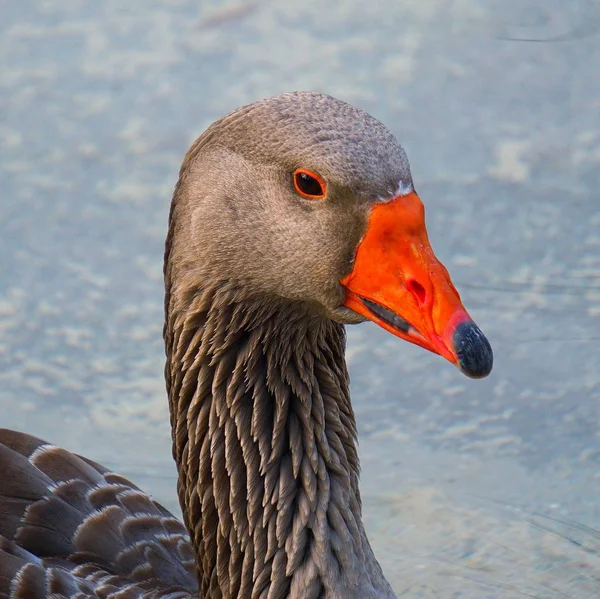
[292, 217]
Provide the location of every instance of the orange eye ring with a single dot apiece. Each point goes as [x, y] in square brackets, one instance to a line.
[309, 184]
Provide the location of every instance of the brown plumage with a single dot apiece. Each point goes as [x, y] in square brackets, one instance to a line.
[264, 435]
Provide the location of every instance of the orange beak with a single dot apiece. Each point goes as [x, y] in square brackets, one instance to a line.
[398, 283]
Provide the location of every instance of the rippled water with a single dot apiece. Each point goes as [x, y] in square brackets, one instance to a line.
[472, 488]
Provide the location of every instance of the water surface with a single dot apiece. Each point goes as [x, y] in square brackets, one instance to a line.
[471, 488]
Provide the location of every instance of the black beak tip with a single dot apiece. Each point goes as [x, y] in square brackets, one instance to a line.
[473, 350]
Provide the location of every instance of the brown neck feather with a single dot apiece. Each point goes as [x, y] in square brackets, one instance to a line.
[264, 438]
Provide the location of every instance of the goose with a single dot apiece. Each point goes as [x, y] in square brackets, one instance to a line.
[292, 217]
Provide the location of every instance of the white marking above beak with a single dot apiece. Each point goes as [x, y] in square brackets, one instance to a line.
[404, 188]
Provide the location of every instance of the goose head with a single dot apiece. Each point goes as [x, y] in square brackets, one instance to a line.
[304, 198]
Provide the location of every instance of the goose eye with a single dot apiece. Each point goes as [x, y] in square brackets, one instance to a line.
[309, 185]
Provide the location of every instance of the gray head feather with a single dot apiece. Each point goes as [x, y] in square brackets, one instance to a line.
[255, 354]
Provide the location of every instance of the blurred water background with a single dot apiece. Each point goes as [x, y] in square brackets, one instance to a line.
[477, 489]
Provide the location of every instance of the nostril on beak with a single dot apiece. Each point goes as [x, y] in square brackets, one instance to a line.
[417, 290]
